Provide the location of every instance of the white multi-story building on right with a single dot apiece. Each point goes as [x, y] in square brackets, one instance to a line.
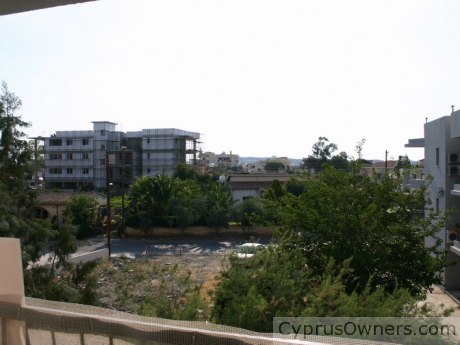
[441, 143]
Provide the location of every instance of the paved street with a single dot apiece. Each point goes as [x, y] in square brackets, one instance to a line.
[163, 247]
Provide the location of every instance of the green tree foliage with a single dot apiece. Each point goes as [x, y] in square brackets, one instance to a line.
[294, 186]
[17, 202]
[274, 166]
[218, 206]
[17, 214]
[278, 283]
[184, 172]
[321, 153]
[373, 223]
[247, 214]
[340, 161]
[188, 205]
[275, 191]
[81, 211]
[151, 199]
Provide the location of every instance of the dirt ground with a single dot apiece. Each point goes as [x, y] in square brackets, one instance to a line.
[123, 282]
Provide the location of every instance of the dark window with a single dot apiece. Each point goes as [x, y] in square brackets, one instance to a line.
[85, 171]
[55, 142]
[69, 142]
[85, 141]
[70, 156]
[54, 171]
[437, 156]
[85, 156]
[54, 156]
[69, 171]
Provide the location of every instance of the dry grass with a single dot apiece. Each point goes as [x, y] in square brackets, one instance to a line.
[123, 282]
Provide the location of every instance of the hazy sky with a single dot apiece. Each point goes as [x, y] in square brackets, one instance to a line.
[258, 78]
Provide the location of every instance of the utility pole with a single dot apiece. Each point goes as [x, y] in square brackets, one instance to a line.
[109, 219]
[386, 160]
[123, 190]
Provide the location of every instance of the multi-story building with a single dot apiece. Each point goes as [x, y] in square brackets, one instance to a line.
[222, 161]
[441, 143]
[79, 158]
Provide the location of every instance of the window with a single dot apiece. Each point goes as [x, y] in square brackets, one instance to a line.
[85, 141]
[437, 156]
[85, 171]
[54, 156]
[148, 155]
[69, 171]
[54, 171]
[103, 161]
[85, 156]
[55, 142]
[70, 156]
[148, 171]
[69, 142]
[437, 205]
[148, 140]
[102, 132]
[102, 147]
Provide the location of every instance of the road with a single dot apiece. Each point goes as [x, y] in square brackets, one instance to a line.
[132, 247]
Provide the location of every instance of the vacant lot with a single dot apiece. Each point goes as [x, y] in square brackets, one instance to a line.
[124, 283]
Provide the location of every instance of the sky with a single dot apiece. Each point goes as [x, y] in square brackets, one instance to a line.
[256, 77]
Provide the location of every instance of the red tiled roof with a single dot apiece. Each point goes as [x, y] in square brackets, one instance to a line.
[243, 185]
[60, 198]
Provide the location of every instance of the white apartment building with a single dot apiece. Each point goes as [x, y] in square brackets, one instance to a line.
[78, 158]
[442, 160]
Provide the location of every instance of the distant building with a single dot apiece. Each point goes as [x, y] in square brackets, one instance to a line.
[78, 158]
[223, 161]
[245, 186]
[259, 166]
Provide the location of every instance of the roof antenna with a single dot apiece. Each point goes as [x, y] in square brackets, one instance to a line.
[452, 108]
[426, 120]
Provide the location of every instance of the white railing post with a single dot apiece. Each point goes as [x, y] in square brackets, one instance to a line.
[12, 287]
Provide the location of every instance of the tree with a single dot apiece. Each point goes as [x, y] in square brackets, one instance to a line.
[188, 204]
[321, 153]
[322, 149]
[294, 186]
[274, 166]
[17, 216]
[340, 161]
[184, 172]
[17, 202]
[81, 211]
[247, 214]
[373, 223]
[277, 282]
[153, 194]
[218, 206]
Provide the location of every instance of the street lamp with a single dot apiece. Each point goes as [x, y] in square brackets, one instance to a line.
[123, 190]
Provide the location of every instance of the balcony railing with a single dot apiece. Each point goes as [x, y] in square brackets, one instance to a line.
[31, 321]
[48, 322]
